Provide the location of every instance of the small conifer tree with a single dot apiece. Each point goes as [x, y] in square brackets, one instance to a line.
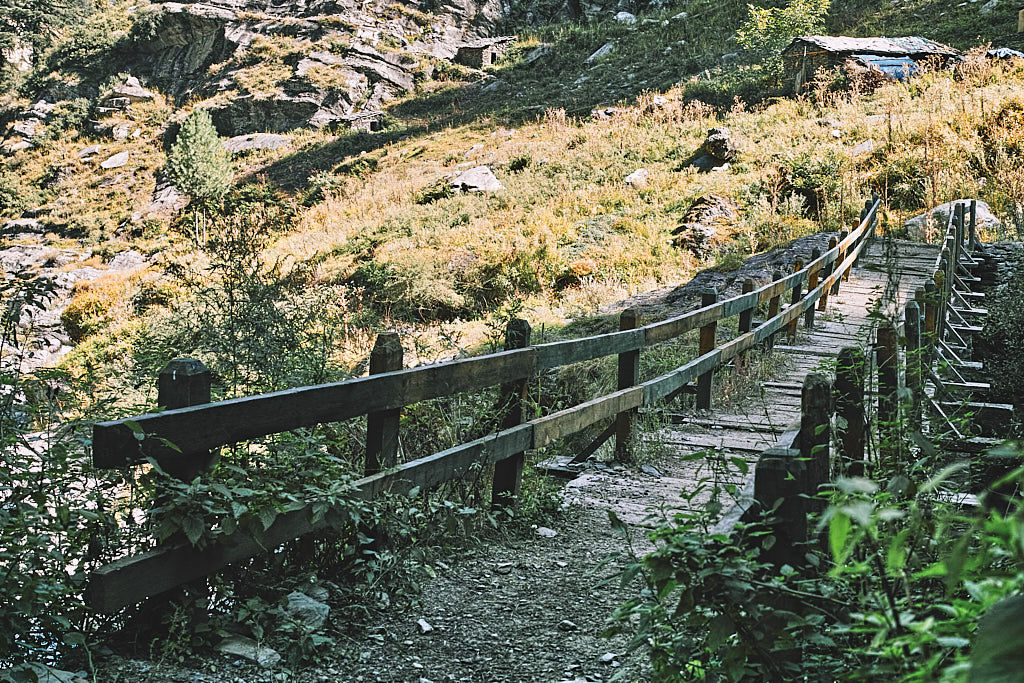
[199, 165]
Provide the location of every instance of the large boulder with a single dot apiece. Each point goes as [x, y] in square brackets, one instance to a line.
[698, 231]
[478, 179]
[932, 223]
[720, 145]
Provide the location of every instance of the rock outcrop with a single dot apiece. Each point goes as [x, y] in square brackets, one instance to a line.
[343, 86]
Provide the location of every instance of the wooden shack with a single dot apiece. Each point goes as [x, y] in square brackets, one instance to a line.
[482, 52]
[895, 57]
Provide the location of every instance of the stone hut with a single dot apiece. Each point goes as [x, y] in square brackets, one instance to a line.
[482, 52]
[894, 57]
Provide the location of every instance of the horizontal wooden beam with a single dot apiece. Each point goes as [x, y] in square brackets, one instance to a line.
[169, 434]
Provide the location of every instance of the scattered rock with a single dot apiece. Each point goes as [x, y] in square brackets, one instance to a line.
[730, 58]
[720, 145]
[836, 133]
[18, 146]
[127, 260]
[989, 7]
[680, 16]
[653, 471]
[117, 161]
[697, 232]
[26, 128]
[566, 625]
[477, 179]
[605, 112]
[866, 147]
[536, 54]
[625, 18]
[310, 613]
[637, 178]
[608, 657]
[241, 646]
[424, 625]
[546, 532]
[600, 53]
[167, 200]
[22, 226]
[829, 123]
[933, 222]
[133, 91]
[89, 152]
[245, 143]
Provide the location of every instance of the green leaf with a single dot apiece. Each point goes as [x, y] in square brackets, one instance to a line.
[740, 464]
[193, 527]
[267, 516]
[838, 531]
[719, 631]
[998, 652]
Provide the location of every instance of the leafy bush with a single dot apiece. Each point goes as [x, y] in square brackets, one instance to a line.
[767, 31]
[16, 194]
[902, 591]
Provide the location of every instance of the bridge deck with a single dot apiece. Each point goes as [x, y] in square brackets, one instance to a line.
[752, 423]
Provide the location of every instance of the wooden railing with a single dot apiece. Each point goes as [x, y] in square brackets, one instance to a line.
[933, 361]
[180, 439]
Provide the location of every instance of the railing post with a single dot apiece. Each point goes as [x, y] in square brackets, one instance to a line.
[745, 322]
[812, 282]
[774, 304]
[795, 301]
[912, 331]
[974, 225]
[185, 382]
[629, 375]
[930, 315]
[382, 427]
[850, 371]
[888, 380]
[508, 473]
[815, 435]
[708, 341]
[938, 329]
[839, 260]
[826, 271]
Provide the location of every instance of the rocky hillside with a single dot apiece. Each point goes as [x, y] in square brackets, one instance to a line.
[364, 121]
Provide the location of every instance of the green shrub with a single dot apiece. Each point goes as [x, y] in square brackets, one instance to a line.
[767, 31]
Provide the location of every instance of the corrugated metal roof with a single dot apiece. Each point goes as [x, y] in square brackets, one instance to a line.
[900, 68]
[911, 45]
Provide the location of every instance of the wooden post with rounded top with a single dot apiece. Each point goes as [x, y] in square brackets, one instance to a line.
[826, 271]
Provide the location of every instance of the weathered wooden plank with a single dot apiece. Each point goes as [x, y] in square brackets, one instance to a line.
[565, 422]
[207, 426]
[555, 354]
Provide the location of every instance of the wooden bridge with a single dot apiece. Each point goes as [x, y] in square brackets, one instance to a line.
[843, 297]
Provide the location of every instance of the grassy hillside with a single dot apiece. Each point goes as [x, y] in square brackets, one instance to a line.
[365, 219]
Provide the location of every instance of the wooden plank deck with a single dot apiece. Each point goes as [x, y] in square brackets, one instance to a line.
[679, 478]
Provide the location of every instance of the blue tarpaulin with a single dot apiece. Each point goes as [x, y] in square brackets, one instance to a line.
[900, 68]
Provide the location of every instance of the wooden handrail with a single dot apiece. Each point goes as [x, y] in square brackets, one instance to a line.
[132, 579]
[186, 430]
